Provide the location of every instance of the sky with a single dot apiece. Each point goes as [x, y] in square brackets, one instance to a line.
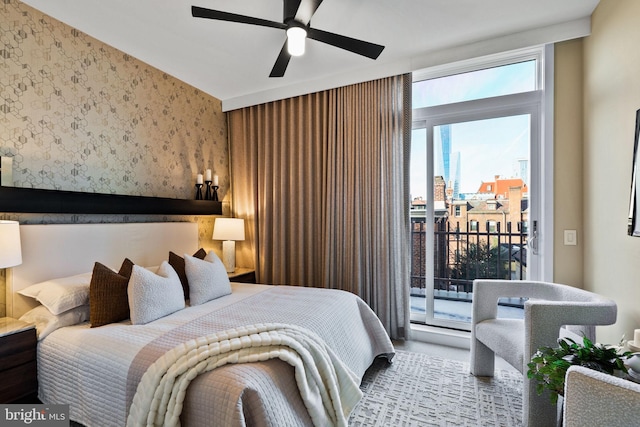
[487, 147]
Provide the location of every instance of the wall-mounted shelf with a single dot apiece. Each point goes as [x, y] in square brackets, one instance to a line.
[31, 200]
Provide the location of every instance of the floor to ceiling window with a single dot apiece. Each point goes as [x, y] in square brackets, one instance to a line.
[479, 197]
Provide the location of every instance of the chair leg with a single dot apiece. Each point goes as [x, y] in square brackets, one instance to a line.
[483, 359]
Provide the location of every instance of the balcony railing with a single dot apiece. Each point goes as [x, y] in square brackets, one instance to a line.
[465, 252]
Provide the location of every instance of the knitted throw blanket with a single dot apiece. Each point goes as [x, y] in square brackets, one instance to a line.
[328, 388]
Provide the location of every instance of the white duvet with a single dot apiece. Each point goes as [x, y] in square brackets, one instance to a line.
[91, 369]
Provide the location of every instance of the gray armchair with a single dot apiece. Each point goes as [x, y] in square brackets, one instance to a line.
[594, 398]
[551, 311]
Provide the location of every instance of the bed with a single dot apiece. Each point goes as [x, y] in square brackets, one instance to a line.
[308, 348]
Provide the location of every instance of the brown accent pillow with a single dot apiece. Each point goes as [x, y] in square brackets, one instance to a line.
[108, 299]
[177, 262]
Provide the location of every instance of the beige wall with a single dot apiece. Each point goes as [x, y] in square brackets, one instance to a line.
[568, 139]
[611, 98]
[79, 115]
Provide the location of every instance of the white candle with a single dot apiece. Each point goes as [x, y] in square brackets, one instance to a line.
[215, 180]
[636, 337]
[208, 175]
[199, 179]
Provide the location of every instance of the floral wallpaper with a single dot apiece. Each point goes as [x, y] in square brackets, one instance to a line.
[79, 115]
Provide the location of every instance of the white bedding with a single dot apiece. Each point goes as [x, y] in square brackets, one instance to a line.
[89, 368]
[327, 387]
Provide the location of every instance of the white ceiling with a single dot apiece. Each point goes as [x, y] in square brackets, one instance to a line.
[232, 61]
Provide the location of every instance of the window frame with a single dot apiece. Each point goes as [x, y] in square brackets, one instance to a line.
[539, 105]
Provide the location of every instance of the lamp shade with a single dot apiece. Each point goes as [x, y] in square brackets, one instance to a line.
[10, 249]
[228, 229]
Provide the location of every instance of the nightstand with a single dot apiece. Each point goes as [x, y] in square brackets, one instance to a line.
[243, 275]
[18, 363]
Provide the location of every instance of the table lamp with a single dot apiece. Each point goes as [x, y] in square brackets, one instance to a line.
[229, 230]
[10, 249]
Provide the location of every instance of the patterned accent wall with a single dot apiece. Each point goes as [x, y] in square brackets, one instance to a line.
[79, 115]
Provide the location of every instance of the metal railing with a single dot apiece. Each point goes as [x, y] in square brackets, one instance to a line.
[462, 254]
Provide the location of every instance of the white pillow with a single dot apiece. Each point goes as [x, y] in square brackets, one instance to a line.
[60, 295]
[207, 278]
[152, 296]
[46, 322]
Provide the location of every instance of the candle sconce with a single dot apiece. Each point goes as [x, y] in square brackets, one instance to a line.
[207, 193]
[215, 193]
[198, 191]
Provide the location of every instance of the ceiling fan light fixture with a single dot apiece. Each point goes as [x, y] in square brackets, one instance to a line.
[295, 40]
[296, 20]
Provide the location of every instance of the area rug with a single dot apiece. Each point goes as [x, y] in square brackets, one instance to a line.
[422, 390]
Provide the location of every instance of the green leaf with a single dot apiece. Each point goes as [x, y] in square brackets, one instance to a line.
[548, 365]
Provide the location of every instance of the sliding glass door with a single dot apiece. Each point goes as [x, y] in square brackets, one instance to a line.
[476, 199]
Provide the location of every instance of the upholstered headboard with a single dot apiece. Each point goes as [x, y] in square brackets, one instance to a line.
[61, 250]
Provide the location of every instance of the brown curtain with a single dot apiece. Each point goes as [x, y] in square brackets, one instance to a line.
[321, 180]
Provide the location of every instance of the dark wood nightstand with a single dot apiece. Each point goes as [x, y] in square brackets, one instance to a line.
[18, 363]
[243, 275]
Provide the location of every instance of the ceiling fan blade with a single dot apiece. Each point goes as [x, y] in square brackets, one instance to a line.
[281, 63]
[300, 10]
[290, 9]
[370, 50]
[306, 9]
[200, 12]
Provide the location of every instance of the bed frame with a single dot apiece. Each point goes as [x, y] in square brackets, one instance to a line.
[61, 250]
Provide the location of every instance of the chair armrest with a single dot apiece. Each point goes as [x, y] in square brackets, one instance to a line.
[596, 398]
[543, 319]
[487, 292]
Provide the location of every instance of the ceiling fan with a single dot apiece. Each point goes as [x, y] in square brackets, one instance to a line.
[296, 22]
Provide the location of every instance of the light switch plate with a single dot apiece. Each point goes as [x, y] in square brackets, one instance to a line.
[570, 237]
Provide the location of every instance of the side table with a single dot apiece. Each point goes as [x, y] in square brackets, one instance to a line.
[18, 362]
[243, 275]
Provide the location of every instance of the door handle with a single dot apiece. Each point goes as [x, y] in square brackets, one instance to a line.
[533, 239]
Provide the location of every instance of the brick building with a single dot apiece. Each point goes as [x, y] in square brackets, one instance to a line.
[501, 204]
[495, 217]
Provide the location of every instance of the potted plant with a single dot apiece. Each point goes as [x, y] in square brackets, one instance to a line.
[548, 366]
